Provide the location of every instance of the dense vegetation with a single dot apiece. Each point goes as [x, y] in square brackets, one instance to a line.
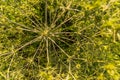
[59, 40]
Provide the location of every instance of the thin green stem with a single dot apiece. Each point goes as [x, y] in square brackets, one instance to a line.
[47, 50]
[30, 42]
[58, 46]
[38, 48]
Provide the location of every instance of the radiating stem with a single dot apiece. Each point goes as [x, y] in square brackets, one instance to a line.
[48, 61]
[28, 43]
[58, 46]
[8, 70]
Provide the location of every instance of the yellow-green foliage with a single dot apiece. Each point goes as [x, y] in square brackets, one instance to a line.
[59, 40]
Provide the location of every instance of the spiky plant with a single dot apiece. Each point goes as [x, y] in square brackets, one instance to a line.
[45, 31]
[59, 39]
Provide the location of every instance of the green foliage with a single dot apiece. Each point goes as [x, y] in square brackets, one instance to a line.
[59, 39]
